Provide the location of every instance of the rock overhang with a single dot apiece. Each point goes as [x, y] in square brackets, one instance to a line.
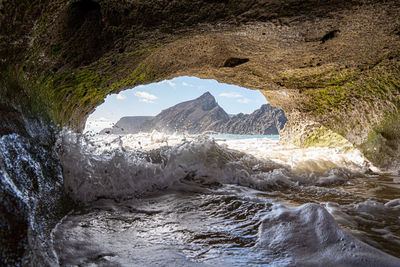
[333, 64]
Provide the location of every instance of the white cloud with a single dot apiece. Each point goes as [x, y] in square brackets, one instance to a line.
[145, 97]
[243, 100]
[231, 95]
[121, 96]
[187, 84]
[171, 83]
[144, 100]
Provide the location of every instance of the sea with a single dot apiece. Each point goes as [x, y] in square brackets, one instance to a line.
[155, 199]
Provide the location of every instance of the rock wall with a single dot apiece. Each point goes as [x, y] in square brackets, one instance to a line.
[266, 120]
[332, 64]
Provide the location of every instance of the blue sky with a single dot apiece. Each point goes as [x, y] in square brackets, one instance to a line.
[151, 99]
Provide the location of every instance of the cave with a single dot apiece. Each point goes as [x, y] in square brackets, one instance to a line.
[332, 66]
[187, 105]
[318, 76]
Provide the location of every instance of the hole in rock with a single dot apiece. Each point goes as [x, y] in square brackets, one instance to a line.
[234, 61]
[79, 11]
[330, 35]
[187, 105]
[81, 19]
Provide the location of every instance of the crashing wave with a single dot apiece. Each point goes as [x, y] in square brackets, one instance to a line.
[110, 168]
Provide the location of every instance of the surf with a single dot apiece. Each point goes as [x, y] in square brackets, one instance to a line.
[137, 182]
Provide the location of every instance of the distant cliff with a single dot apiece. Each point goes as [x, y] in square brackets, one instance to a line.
[204, 114]
[195, 116]
[264, 121]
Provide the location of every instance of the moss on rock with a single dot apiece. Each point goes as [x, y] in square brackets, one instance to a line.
[382, 144]
[323, 137]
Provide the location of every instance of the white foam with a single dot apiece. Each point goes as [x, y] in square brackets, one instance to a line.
[394, 204]
[135, 165]
[122, 166]
[91, 171]
[314, 159]
[309, 236]
[370, 207]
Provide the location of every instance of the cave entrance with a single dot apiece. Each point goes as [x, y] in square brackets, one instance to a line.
[187, 105]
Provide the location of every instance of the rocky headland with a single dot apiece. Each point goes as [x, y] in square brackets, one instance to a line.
[203, 114]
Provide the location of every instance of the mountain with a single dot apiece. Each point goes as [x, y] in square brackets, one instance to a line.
[194, 116]
[201, 115]
[264, 121]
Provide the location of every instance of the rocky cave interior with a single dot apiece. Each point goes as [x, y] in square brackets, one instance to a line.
[332, 66]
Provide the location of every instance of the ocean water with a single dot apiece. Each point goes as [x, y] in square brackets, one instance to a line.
[242, 136]
[223, 200]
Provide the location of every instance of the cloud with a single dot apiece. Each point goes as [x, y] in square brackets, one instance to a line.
[145, 97]
[121, 96]
[144, 100]
[187, 84]
[243, 100]
[171, 83]
[231, 95]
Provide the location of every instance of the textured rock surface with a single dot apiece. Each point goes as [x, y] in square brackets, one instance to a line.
[203, 114]
[264, 121]
[194, 116]
[326, 63]
[31, 194]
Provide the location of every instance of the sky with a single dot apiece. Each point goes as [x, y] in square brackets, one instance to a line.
[151, 99]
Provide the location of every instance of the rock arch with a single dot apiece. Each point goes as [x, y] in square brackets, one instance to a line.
[333, 66]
